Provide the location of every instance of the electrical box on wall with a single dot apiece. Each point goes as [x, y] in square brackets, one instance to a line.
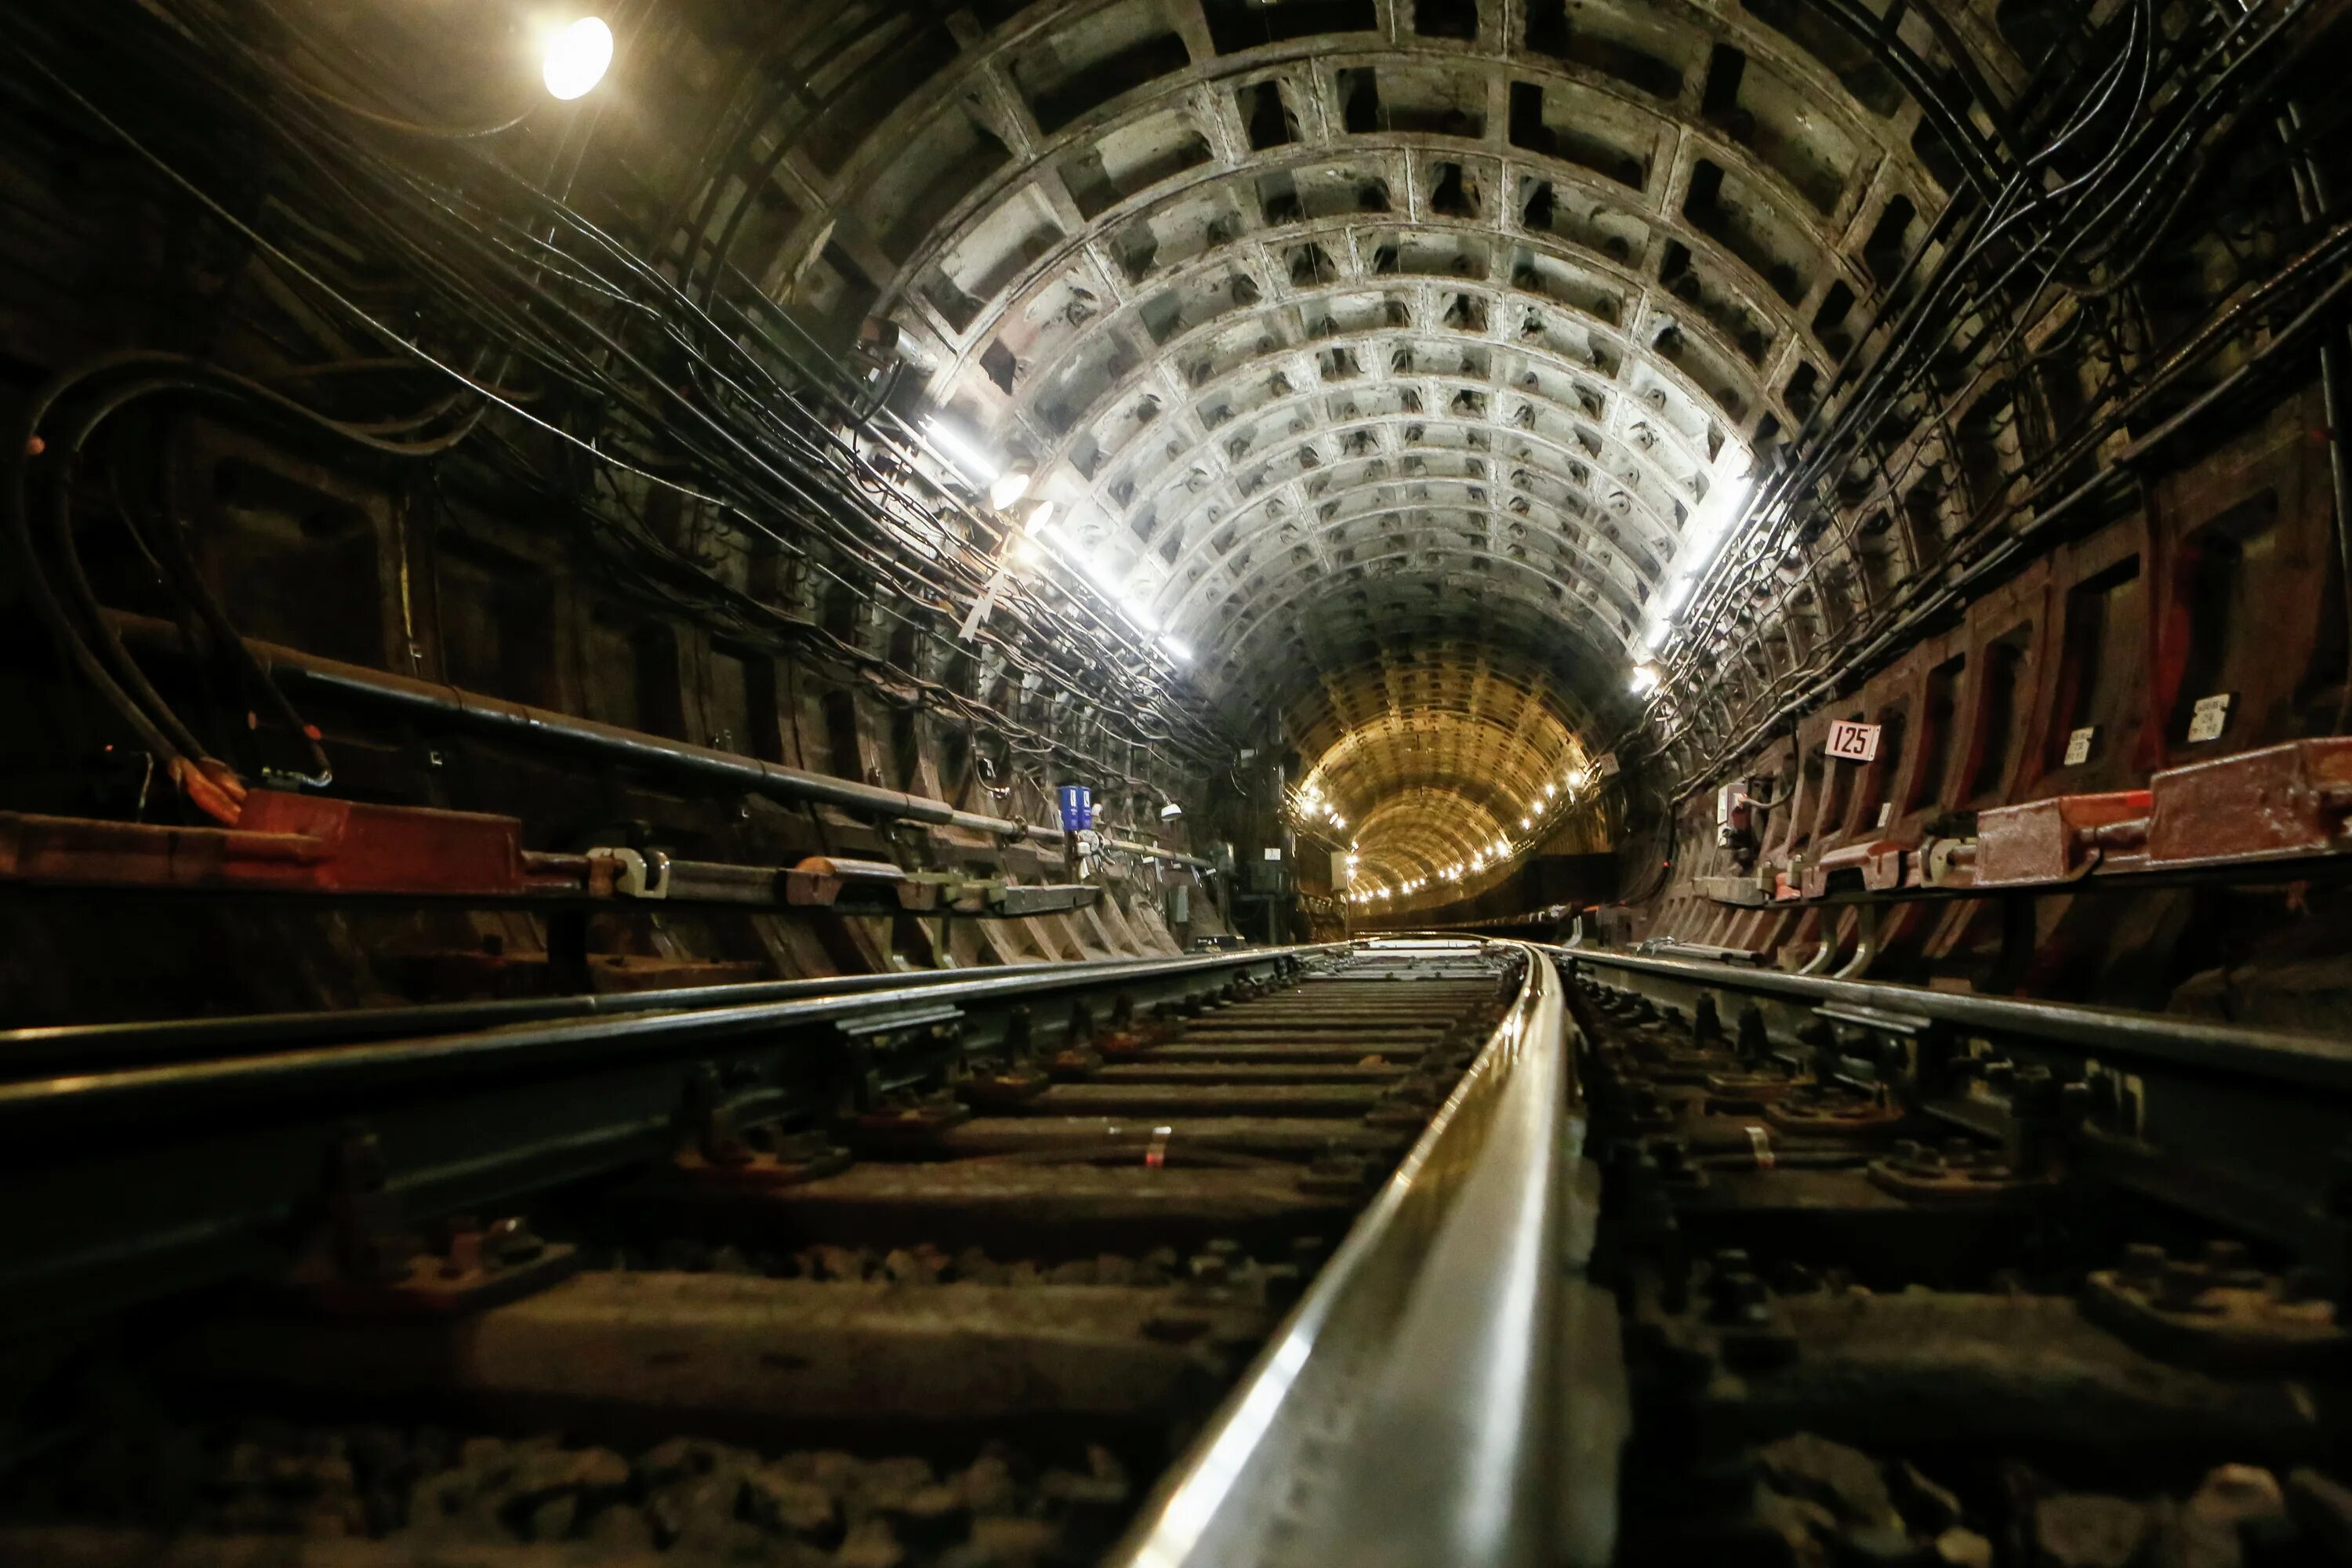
[1730, 812]
[1737, 813]
[1180, 905]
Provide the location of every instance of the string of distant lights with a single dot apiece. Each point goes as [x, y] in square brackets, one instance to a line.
[1310, 804]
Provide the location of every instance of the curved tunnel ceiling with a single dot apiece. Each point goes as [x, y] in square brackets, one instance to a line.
[1383, 351]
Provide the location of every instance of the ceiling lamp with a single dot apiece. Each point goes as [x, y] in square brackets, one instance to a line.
[1726, 503]
[1009, 487]
[963, 452]
[577, 58]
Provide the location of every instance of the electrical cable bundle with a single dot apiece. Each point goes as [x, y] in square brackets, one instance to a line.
[2056, 245]
[54, 431]
[572, 341]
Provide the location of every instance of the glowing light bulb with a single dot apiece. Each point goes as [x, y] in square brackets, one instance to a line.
[577, 58]
[1009, 487]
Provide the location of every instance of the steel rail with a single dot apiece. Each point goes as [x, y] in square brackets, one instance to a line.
[1404, 1413]
[2272, 1056]
[129, 1184]
[2235, 1127]
[86, 1047]
[40, 1107]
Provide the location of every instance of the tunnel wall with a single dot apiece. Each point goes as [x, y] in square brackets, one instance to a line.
[2224, 582]
[441, 573]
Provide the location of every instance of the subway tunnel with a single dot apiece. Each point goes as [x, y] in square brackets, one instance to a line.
[1820, 528]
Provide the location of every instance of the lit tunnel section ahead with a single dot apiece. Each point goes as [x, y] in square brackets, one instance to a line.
[1408, 370]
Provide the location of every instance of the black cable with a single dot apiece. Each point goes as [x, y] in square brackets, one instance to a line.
[2121, 207]
[502, 283]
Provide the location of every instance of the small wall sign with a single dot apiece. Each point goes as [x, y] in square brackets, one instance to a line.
[1854, 743]
[2208, 719]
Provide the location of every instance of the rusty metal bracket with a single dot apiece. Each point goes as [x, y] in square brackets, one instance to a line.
[2280, 809]
[770, 1161]
[1856, 1116]
[2217, 1313]
[715, 1118]
[481, 1268]
[896, 1050]
[368, 1263]
[1007, 1088]
[1959, 1174]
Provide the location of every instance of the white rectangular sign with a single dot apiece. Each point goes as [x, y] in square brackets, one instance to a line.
[2209, 718]
[1855, 742]
[1607, 766]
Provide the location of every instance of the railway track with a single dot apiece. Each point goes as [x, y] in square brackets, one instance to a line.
[1416, 1252]
[947, 1272]
[1925, 1278]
